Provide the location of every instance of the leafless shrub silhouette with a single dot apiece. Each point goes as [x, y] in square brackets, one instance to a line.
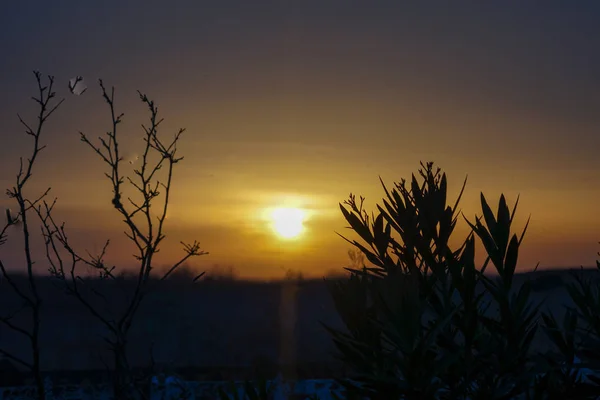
[145, 230]
[29, 293]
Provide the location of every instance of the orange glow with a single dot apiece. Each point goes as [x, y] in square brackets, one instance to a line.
[298, 109]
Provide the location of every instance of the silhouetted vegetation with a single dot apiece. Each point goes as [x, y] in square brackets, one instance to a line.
[26, 204]
[145, 229]
[418, 318]
[424, 322]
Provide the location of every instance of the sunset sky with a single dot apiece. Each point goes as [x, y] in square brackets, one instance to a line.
[299, 103]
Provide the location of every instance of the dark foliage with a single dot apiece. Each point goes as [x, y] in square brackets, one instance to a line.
[418, 326]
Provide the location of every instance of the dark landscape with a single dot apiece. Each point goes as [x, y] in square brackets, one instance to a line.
[143, 141]
[221, 329]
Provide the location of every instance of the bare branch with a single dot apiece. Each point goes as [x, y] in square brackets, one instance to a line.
[16, 359]
[138, 215]
[7, 321]
[32, 298]
[191, 250]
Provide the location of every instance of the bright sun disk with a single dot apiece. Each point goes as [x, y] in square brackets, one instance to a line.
[288, 222]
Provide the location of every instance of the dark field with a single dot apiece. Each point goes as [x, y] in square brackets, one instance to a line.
[213, 329]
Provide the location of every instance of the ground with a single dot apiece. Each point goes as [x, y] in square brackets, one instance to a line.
[213, 329]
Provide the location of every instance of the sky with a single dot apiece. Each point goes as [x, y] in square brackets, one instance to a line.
[299, 103]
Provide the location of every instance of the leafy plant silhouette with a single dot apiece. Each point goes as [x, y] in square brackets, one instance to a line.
[578, 337]
[424, 322]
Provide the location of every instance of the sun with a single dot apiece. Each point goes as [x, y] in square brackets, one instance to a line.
[288, 223]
